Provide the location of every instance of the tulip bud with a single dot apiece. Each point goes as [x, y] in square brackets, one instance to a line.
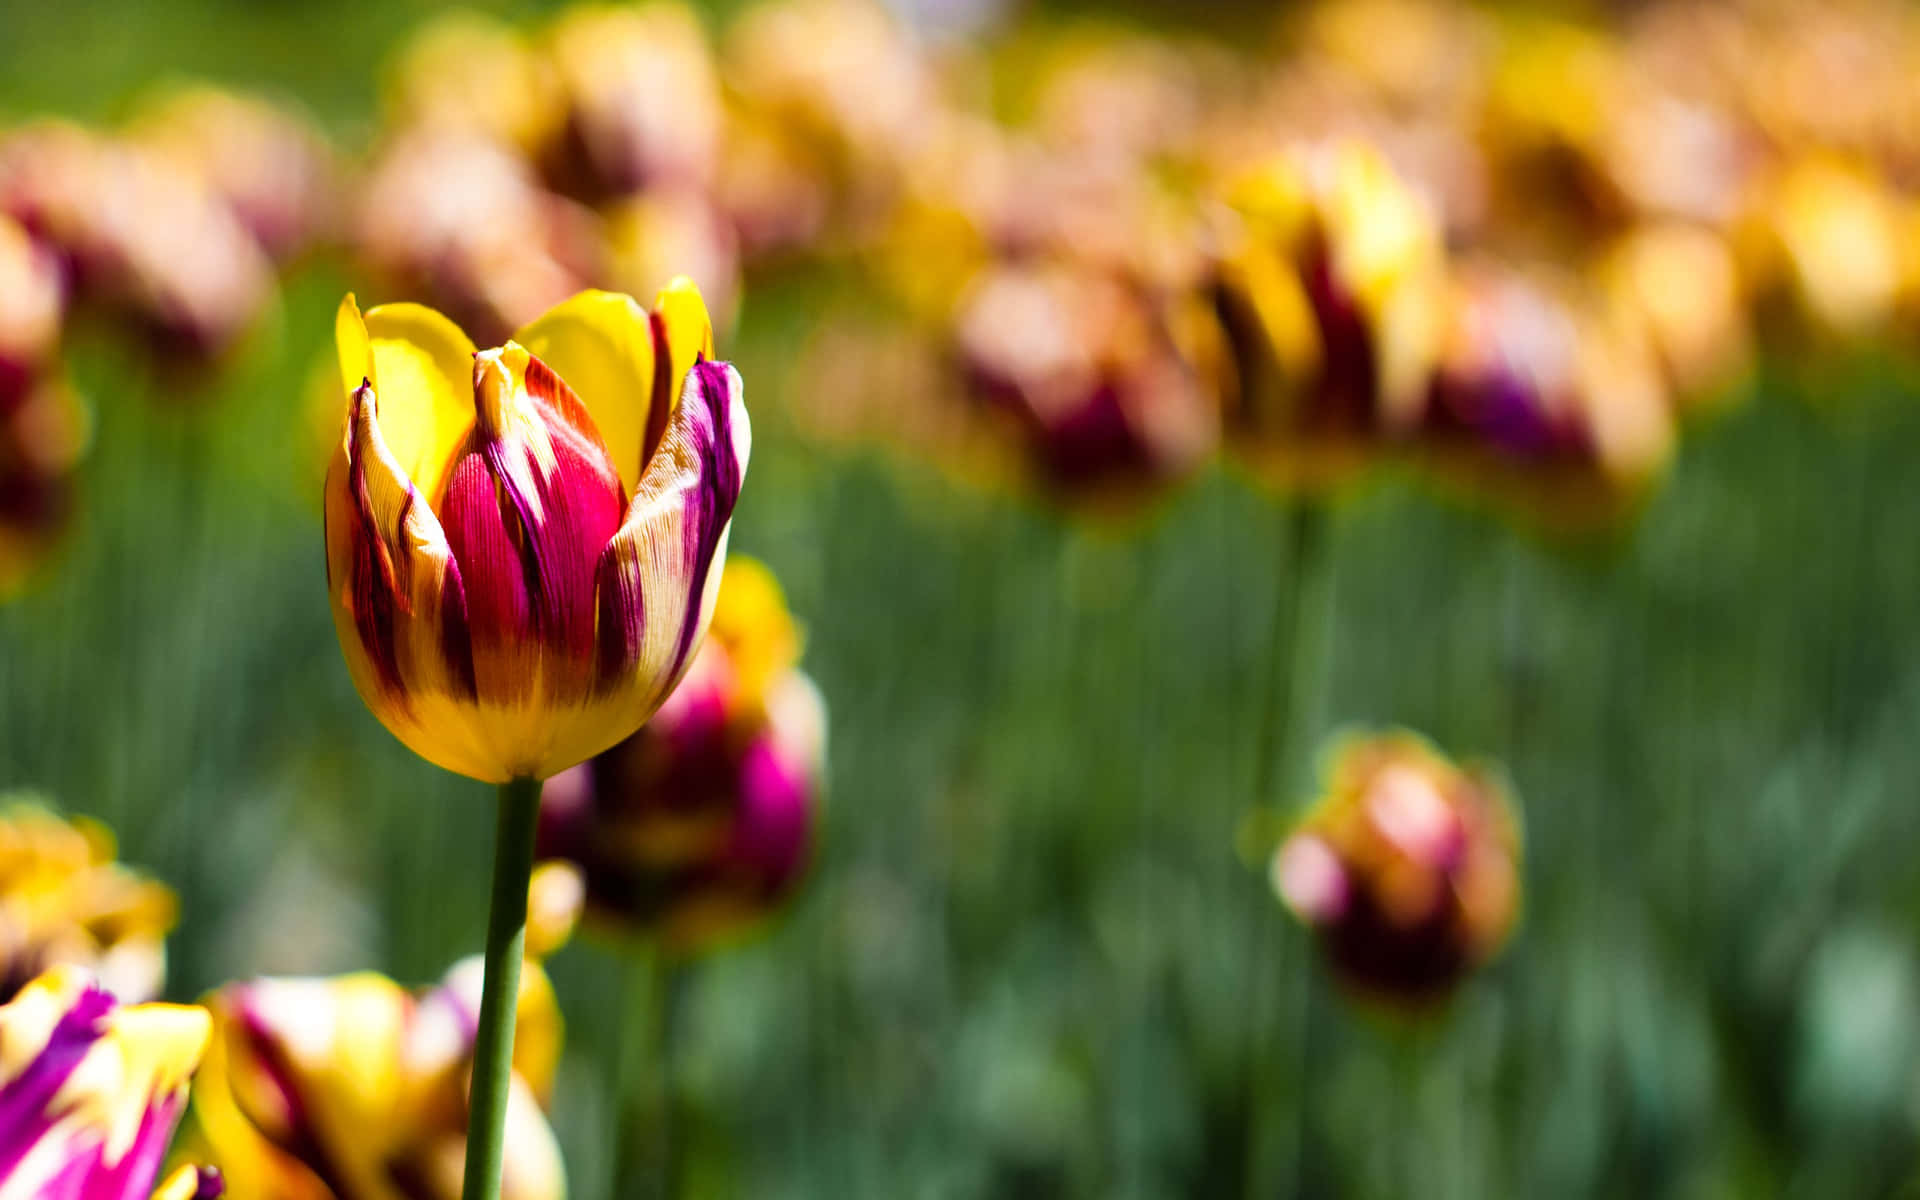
[703, 822]
[90, 1092]
[1406, 871]
[1087, 372]
[64, 901]
[641, 98]
[1329, 290]
[1544, 397]
[351, 1088]
[521, 541]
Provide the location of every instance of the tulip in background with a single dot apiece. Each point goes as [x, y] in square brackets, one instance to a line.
[521, 554]
[704, 821]
[90, 1092]
[64, 901]
[1407, 870]
[353, 1088]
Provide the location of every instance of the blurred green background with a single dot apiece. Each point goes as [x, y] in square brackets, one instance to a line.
[1031, 960]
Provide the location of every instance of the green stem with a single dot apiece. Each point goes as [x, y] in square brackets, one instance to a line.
[500, 988]
[1290, 717]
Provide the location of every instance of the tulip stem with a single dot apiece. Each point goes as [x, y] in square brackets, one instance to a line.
[500, 989]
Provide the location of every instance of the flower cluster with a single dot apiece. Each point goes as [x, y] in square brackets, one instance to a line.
[704, 821]
[1407, 870]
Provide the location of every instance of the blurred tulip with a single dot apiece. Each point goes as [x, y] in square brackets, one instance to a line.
[42, 429]
[660, 233]
[464, 73]
[702, 823]
[269, 164]
[1090, 375]
[1406, 870]
[463, 221]
[352, 1088]
[64, 901]
[1540, 396]
[32, 306]
[90, 1092]
[520, 577]
[144, 238]
[641, 98]
[1821, 251]
[1331, 291]
[1682, 283]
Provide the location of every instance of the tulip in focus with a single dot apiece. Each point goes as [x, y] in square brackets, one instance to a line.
[64, 901]
[702, 823]
[90, 1092]
[1330, 290]
[522, 542]
[1406, 871]
[352, 1088]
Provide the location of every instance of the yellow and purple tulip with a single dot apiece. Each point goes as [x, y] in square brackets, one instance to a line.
[353, 1088]
[1407, 869]
[90, 1092]
[1544, 397]
[522, 543]
[1330, 290]
[1088, 371]
[703, 823]
[64, 901]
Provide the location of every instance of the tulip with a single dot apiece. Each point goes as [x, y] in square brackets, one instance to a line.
[1329, 289]
[353, 1088]
[1089, 372]
[466, 73]
[1406, 871]
[1543, 396]
[42, 430]
[518, 583]
[64, 901]
[702, 823]
[90, 1092]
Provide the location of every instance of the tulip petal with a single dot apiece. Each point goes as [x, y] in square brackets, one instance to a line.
[624, 363]
[530, 504]
[657, 584]
[419, 363]
[399, 605]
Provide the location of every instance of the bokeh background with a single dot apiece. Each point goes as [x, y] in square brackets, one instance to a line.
[1037, 954]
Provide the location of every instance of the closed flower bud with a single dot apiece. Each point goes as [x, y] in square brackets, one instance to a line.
[1088, 374]
[704, 821]
[641, 100]
[64, 901]
[1330, 290]
[353, 1088]
[522, 543]
[1406, 870]
[1544, 397]
[90, 1093]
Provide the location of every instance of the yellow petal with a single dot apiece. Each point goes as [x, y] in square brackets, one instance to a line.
[688, 333]
[601, 344]
[421, 366]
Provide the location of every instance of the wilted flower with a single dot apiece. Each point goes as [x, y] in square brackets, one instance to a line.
[1406, 870]
[1090, 374]
[90, 1092]
[1330, 291]
[144, 237]
[352, 1088]
[1542, 396]
[520, 541]
[704, 821]
[64, 901]
[461, 219]
[267, 163]
[641, 101]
